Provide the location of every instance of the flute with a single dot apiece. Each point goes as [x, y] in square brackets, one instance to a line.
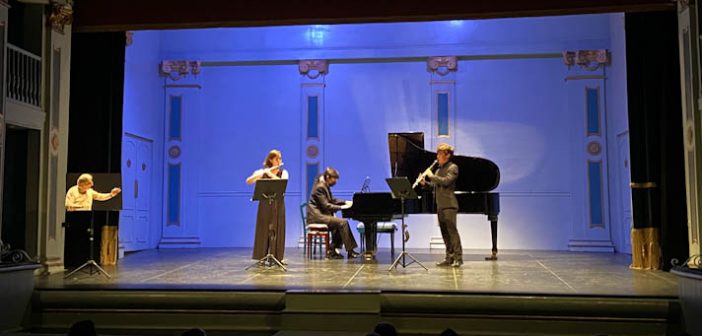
[272, 168]
[422, 175]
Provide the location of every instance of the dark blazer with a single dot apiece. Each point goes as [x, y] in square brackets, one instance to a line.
[322, 204]
[444, 182]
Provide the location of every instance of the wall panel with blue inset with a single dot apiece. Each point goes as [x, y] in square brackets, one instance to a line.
[173, 201]
[312, 113]
[313, 117]
[443, 113]
[312, 171]
[592, 100]
[175, 118]
[594, 177]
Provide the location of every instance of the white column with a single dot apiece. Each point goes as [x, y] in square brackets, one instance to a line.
[182, 97]
[692, 131]
[442, 83]
[312, 85]
[3, 83]
[57, 83]
[585, 103]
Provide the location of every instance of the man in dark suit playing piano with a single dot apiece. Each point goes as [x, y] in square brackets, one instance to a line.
[321, 209]
[444, 183]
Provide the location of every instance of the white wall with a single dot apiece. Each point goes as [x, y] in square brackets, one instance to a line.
[144, 114]
[618, 121]
[510, 109]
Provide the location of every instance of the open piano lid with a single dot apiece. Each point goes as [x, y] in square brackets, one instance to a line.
[409, 158]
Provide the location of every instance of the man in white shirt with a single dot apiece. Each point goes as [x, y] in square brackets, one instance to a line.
[80, 196]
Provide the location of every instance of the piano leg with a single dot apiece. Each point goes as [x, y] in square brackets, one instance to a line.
[371, 238]
[493, 231]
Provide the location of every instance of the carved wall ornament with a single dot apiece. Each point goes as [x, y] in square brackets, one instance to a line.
[594, 148]
[587, 59]
[442, 65]
[176, 70]
[684, 4]
[312, 151]
[129, 38]
[61, 15]
[313, 68]
[54, 141]
[174, 151]
[690, 137]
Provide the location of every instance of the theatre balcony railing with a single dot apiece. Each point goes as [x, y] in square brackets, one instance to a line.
[23, 76]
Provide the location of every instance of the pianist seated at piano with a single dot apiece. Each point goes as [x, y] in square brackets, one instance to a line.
[444, 184]
[321, 209]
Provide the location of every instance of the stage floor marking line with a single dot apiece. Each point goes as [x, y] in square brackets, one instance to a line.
[656, 274]
[455, 277]
[168, 272]
[354, 276]
[249, 278]
[556, 275]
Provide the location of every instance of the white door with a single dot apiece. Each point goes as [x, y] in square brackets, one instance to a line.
[136, 192]
[143, 191]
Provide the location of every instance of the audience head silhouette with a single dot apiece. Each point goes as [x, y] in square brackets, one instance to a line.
[83, 328]
[385, 329]
[194, 332]
[448, 332]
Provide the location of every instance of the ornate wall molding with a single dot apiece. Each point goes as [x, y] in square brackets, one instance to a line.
[176, 70]
[587, 59]
[61, 15]
[129, 38]
[684, 4]
[54, 141]
[442, 65]
[313, 68]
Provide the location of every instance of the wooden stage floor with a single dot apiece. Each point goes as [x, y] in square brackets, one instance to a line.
[516, 272]
[158, 292]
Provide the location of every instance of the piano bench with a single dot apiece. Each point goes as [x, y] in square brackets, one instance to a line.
[383, 227]
[314, 233]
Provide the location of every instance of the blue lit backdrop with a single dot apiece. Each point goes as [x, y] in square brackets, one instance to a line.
[514, 109]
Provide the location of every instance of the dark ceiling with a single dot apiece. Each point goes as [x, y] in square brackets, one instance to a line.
[103, 15]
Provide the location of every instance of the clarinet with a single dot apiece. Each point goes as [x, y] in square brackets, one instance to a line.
[422, 175]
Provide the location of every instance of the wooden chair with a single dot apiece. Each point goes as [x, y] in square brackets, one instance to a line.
[383, 227]
[315, 234]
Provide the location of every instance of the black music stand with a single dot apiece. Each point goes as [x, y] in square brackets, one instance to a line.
[92, 266]
[402, 189]
[270, 191]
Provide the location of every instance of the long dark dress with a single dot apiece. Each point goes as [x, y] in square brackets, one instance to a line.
[270, 217]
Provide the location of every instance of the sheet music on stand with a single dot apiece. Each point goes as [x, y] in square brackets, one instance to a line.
[270, 190]
[401, 189]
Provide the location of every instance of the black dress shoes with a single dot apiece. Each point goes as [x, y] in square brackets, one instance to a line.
[334, 255]
[444, 263]
[353, 254]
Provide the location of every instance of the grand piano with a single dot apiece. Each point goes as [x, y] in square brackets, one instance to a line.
[477, 178]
